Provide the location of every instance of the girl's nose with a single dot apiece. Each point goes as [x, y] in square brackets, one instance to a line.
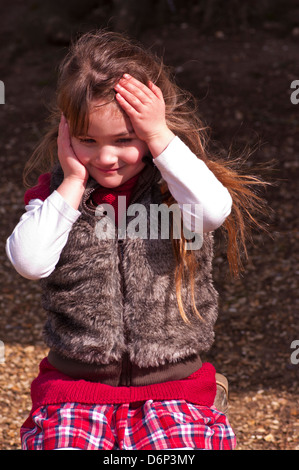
[106, 156]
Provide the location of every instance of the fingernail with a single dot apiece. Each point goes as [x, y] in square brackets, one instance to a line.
[126, 75]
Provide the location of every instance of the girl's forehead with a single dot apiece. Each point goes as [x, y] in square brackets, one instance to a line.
[103, 115]
[105, 109]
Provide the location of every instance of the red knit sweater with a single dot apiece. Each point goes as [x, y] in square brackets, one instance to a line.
[53, 387]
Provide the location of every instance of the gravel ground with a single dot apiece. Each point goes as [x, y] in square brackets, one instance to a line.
[243, 82]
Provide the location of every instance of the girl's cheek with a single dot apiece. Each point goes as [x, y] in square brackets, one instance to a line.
[80, 152]
[136, 153]
[75, 146]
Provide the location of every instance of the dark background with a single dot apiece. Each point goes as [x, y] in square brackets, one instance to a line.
[239, 59]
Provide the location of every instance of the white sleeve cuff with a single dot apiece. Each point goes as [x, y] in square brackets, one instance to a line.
[61, 206]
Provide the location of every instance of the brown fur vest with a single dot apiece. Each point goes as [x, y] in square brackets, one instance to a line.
[108, 298]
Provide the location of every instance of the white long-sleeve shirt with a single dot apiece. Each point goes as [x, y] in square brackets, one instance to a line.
[36, 243]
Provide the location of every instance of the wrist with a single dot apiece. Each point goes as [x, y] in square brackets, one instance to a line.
[157, 143]
[72, 189]
[75, 181]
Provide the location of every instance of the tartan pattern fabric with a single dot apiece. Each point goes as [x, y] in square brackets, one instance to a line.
[151, 425]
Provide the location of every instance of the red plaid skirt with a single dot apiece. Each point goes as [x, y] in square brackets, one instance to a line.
[151, 425]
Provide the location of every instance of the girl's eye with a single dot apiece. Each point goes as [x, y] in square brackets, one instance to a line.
[86, 141]
[124, 141]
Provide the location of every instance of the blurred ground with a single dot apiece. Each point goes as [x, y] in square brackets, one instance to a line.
[242, 79]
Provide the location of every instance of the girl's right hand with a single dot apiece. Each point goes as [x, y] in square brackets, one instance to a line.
[72, 168]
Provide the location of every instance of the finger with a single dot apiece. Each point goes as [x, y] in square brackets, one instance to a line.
[62, 125]
[66, 130]
[64, 140]
[60, 132]
[136, 87]
[129, 109]
[129, 82]
[130, 97]
[155, 89]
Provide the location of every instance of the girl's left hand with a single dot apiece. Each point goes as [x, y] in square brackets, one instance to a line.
[145, 107]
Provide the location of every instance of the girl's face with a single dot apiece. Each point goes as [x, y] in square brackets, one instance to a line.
[110, 151]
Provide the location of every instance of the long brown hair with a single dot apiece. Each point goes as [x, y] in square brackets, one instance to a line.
[93, 65]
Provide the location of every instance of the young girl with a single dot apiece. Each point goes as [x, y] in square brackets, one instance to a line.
[127, 316]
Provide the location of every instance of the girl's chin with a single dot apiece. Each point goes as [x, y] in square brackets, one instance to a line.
[110, 181]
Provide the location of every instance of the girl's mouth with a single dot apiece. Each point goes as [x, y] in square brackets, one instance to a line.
[109, 171]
